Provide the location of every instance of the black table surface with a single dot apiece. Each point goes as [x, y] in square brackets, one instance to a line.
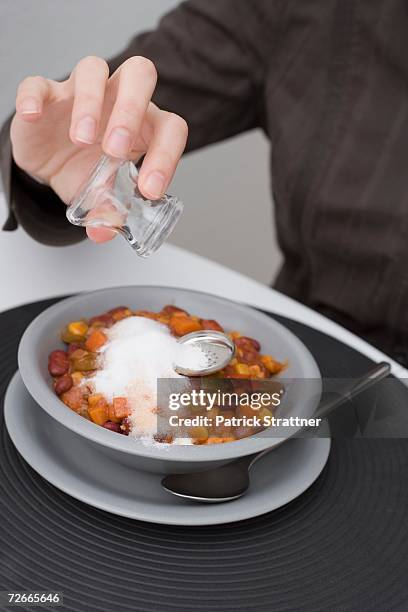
[342, 545]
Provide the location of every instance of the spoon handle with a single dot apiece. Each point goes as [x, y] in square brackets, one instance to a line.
[350, 390]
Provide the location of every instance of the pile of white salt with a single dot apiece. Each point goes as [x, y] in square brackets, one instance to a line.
[138, 352]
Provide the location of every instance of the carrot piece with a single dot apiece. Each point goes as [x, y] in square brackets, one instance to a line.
[273, 366]
[181, 325]
[218, 440]
[95, 398]
[98, 412]
[120, 407]
[96, 340]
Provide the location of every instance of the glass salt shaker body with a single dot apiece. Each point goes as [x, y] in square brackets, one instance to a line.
[110, 198]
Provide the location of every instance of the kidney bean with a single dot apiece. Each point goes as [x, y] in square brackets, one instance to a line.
[247, 344]
[211, 324]
[58, 363]
[250, 357]
[112, 426]
[63, 384]
[117, 309]
[102, 320]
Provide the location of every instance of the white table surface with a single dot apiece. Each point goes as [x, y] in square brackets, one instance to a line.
[30, 271]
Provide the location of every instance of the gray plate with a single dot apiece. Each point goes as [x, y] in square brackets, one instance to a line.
[67, 461]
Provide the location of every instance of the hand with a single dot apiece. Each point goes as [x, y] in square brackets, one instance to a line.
[61, 129]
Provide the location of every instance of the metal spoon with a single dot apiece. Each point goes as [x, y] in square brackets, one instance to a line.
[217, 348]
[231, 481]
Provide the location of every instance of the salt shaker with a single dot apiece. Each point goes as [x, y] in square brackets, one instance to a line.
[110, 198]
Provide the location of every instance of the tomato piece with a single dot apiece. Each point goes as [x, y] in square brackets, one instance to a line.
[211, 324]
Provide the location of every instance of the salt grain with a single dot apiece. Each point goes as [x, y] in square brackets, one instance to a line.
[192, 357]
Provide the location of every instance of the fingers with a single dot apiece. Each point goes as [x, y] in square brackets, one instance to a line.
[31, 95]
[89, 82]
[137, 79]
[165, 149]
[100, 234]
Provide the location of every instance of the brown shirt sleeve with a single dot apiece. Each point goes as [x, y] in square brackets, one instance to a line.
[210, 72]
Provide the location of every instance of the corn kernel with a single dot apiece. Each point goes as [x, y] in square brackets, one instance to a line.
[255, 371]
[77, 377]
[199, 434]
[242, 369]
[265, 412]
[77, 328]
[273, 366]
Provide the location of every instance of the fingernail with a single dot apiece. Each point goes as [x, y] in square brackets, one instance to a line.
[153, 186]
[29, 106]
[119, 142]
[85, 130]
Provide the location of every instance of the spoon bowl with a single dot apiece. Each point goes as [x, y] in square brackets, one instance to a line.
[217, 350]
[226, 483]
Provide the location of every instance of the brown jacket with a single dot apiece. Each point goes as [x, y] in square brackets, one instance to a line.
[327, 81]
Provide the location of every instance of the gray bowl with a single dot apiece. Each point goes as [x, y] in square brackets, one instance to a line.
[43, 335]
